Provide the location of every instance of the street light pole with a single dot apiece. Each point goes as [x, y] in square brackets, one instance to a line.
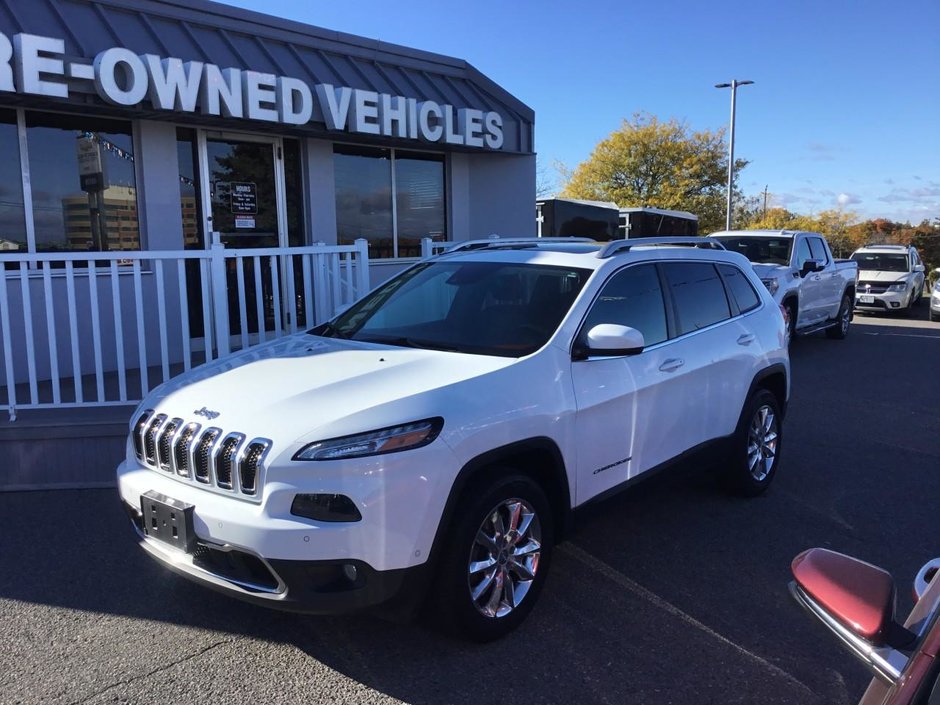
[734, 89]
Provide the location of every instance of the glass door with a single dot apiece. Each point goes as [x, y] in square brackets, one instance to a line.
[244, 201]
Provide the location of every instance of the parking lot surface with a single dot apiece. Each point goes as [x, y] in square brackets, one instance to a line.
[672, 592]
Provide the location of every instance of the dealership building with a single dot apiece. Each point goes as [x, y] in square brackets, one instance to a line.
[139, 137]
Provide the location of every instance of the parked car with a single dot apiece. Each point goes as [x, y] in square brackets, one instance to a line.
[798, 269]
[856, 602]
[890, 278]
[440, 431]
[935, 299]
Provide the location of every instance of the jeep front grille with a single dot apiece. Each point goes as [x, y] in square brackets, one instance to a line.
[216, 460]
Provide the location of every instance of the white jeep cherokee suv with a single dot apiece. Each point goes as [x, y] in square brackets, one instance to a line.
[442, 429]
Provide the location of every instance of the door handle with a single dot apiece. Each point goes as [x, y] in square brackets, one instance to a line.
[745, 339]
[673, 363]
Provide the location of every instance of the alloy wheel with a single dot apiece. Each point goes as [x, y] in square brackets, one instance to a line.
[504, 558]
[762, 438]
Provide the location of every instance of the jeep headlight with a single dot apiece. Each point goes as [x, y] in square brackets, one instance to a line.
[772, 285]
[385, 440]
[898, 286]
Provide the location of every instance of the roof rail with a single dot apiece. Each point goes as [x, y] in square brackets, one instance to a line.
[617, 246]
[497, 242]
[888, 245]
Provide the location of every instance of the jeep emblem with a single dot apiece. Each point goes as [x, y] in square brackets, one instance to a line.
[206, 412]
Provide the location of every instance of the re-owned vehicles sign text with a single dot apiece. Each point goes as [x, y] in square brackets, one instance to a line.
[38, 65]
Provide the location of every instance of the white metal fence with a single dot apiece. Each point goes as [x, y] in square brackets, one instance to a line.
[98, 329]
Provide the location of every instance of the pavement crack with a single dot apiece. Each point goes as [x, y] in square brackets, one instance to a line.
[164, 667]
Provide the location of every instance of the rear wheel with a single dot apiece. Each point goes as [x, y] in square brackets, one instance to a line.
[843, 318]
[756, 450]
[496, 558]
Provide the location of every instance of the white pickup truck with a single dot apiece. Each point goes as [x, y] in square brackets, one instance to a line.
[817, 290]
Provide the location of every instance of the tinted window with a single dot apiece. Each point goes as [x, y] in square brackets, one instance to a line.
[764, 250]
[879, 262]
[741, 290]
[632, 297]
[698, 294]
[818, 249]
[802, 254]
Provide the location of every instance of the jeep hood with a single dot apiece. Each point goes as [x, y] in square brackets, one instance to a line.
[305, 384]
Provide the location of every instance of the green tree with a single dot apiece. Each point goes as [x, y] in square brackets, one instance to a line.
[658, 164]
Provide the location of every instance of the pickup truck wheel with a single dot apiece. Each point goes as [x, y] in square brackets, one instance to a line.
[496, 558]
[843, 318]
[756, 451]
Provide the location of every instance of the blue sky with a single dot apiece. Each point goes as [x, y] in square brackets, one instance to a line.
[845, 109]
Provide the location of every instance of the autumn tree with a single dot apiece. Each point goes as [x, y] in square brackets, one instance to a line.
[650, 163]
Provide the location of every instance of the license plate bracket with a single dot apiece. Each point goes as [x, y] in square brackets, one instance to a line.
[168, 520]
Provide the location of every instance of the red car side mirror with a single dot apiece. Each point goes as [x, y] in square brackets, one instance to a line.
[856, 601]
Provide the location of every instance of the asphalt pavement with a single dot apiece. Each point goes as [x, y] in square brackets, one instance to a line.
[673, 592]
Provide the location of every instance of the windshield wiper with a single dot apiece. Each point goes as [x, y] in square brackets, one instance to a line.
[327, 330]
[406, 342]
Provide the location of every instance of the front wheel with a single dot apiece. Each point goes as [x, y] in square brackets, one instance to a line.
[843, 318]
[756, 450]
[496, 558]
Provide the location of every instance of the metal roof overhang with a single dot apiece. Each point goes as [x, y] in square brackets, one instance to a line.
[198, 30]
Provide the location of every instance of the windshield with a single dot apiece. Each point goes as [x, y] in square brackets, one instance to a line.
[486, 308]
[762, 250]
[880, 262]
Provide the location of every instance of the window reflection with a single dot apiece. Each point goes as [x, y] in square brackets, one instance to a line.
[12, 218]
[94, 213]
[190, 206]
[364, 199]
[419, 201]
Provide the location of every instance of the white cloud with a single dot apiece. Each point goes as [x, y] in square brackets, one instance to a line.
[847, 199]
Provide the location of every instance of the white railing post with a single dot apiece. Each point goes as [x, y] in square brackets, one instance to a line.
[219, 294]
[362, 268]
[427, 247]
[321, 285]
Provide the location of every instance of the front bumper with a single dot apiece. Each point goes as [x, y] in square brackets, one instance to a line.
[259, 551]
[887, 301]
[312, 587]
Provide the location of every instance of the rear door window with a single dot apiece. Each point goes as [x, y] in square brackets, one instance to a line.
[818, 249]
[698, 295]
[741, 290]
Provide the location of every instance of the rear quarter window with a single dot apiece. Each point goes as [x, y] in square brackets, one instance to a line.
[698, 294]
[740, 288]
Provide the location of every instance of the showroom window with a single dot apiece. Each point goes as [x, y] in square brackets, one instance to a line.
[83, 186]
[12, 211]
[392, 198]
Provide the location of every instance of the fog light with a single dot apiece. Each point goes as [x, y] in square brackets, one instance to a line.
[349, 570]
[895, 304]
[325, 507]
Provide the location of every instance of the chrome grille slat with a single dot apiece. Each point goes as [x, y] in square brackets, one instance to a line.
[138, 433]
[227, 463]
[165, 443]
[181, 457]
[150, 439]
[202, 455]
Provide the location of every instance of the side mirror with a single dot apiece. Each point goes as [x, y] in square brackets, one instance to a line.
[810, 266]
[610, 340]
[919, 268]
[856, 601]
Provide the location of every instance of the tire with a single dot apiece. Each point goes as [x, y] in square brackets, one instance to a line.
[844, 317]
[471, 598]
[757, 442]
[791, 315]
[934, 316]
